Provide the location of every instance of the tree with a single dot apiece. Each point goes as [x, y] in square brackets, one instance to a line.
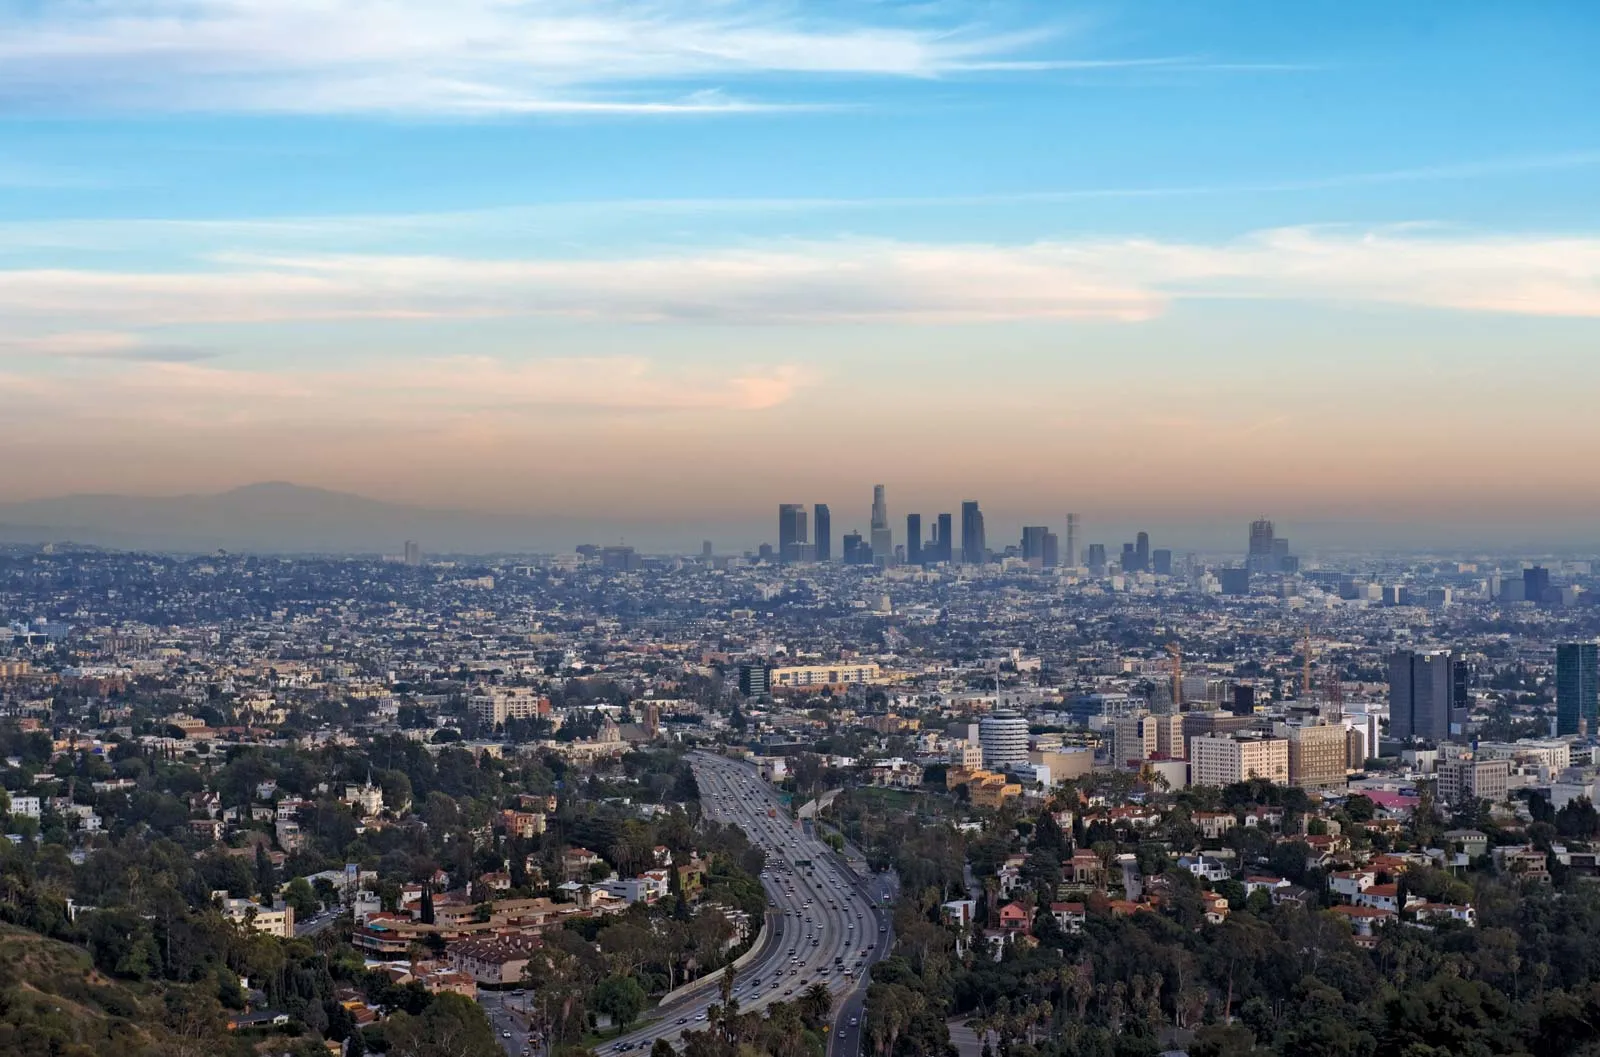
[266, 876]
[621, 998]
[816, 1002]
[300, 896]
[450, 1026]
[663, 1048]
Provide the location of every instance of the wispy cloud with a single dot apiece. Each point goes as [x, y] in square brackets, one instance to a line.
[476, 57]
[348, 229]
[431, 56]
[842, 281]
[98, 345]
[433, 393]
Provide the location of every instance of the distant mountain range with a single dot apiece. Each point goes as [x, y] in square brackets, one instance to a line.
[274, 516]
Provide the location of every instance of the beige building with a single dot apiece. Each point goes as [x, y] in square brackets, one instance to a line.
[274, 921]
[1222, 759]
[817, 676]
[1133, 739]
[1064, 764]
[1318, 754]
[966, 754]
[1463, 779]
[1169, 737]
[1142, 737]
[500, 703]
[1355, 749]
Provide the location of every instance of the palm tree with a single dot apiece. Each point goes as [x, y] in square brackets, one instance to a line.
[816, 1002]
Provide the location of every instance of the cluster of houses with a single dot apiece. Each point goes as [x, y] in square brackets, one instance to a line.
[1366, 890]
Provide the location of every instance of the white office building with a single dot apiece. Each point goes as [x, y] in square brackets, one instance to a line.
[1004, 737]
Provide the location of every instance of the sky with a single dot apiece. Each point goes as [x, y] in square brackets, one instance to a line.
[1165, 264]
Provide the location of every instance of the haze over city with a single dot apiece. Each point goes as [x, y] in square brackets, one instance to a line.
[648, 270]
[799, 528]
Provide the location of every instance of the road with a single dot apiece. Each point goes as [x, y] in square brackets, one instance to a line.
[825, 915]
[313, 925]
[509, 1029]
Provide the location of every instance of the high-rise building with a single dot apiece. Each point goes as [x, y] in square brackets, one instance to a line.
[1161, 562]
[1317, 754]
[823, 522]
[413, 553]
[1577, 689]
[705, 549]
[1244, 700]
[1130, 558]
[1260, 554]
[755, 680]
[1463, 779]
[1096, 559]
[1033, 544]
[620, 559]
[1235, 582]
[855, 551]
[913, 539]
[882, 536]
[791, 531]
[1427, 695]
[946, 536]
[1004, 737]
[1141, 552]
[1536, 584]
[1052, 550]
[1228, 759]
[1133, 740]
[1070, 557]
[973, 549]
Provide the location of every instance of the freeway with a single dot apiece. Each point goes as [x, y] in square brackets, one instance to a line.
[822, 925]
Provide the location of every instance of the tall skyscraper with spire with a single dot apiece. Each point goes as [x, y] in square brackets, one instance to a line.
[882, 536]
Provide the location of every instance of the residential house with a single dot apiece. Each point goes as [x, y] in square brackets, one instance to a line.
[1070, 916]
[1205, 867]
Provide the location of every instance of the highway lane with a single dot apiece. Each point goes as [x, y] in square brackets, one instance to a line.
[823, 913]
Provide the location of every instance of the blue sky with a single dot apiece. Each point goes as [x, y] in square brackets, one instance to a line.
[236, 237]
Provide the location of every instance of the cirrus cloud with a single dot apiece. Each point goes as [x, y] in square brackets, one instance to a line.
[461, 57]
[837, 282]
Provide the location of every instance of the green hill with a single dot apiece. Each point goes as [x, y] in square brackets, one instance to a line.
[53, 1003]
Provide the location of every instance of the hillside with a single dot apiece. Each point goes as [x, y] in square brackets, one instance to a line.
[53, 1003]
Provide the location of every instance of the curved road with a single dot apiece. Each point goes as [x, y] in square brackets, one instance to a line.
[824, 914]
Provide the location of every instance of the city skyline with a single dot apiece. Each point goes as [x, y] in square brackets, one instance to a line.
[279, 516]
[1193, 255]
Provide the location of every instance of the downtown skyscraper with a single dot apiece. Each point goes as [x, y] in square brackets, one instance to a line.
[882, 535]
[792, 533]
[913, 539]
[974, 551]
[944, 539]
[822, 525]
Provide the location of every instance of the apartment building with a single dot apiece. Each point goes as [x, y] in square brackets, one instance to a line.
[1463, 779]
[1318, 754]
[1224, 759]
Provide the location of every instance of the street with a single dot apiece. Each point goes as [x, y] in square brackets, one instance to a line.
[822, 922]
